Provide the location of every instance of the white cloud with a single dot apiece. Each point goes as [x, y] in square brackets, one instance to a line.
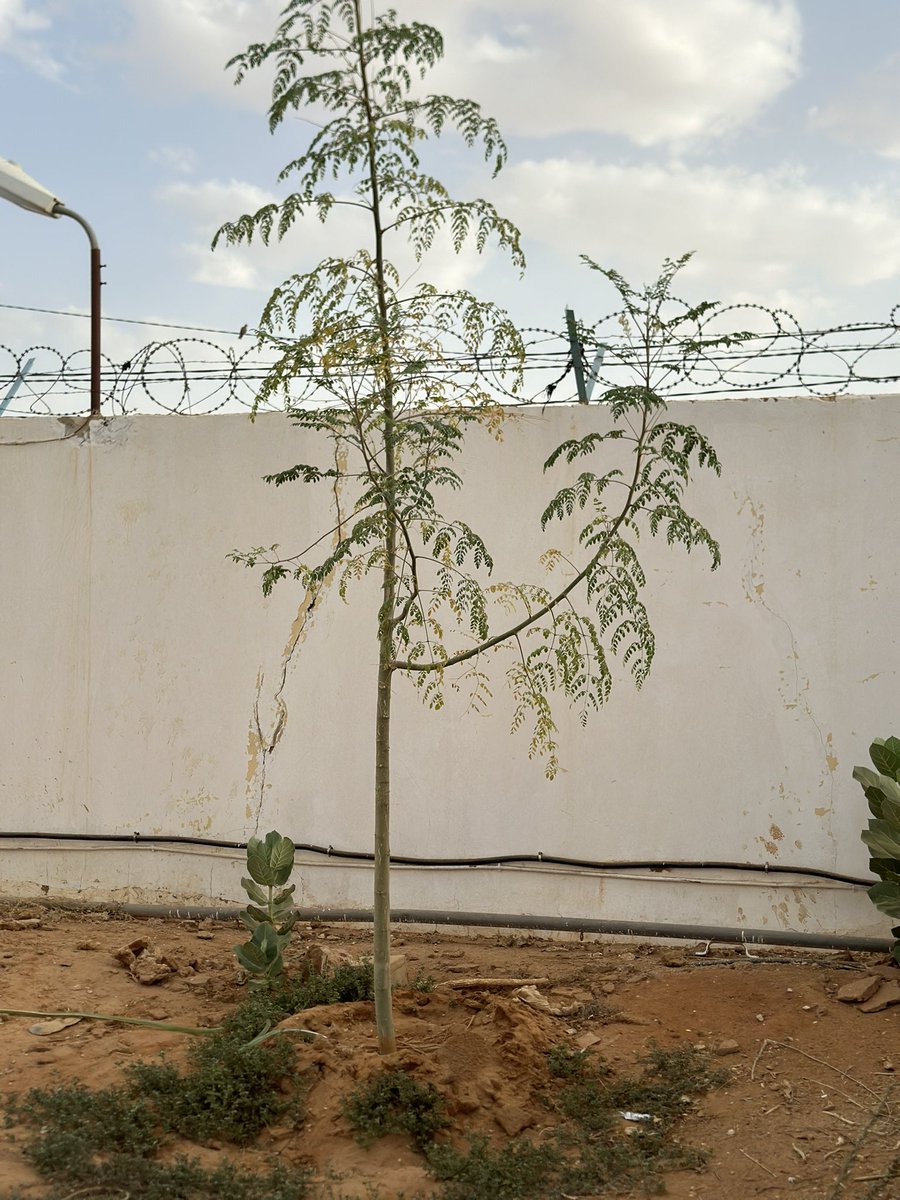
[226, 268]
[867, 114]
[180, 159]
[655, 71]
[207, 205]
[182, 46]
[211, 203]
[20, 36]
[773, 237]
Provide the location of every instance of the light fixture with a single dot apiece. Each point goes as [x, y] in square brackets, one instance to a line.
[19, 188]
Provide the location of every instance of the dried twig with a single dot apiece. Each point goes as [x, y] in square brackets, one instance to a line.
[838, 1092]
[760, 1052]
[501, 983]
[774, 1174]
[94, 1189]
[841, 1180]
[821, 1061]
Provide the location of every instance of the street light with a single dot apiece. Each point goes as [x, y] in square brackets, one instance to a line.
[21, 189]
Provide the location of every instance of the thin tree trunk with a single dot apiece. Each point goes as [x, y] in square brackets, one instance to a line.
[384, 1016]
[381, 912]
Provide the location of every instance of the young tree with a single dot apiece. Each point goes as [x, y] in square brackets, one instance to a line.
[394, 370]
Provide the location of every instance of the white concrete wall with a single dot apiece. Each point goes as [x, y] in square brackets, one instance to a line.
[147, 686]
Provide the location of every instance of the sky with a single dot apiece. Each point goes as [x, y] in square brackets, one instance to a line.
[764, 135]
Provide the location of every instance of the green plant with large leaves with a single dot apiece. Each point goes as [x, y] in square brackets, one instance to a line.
[882, 791]
[269, 917]
[392, 365]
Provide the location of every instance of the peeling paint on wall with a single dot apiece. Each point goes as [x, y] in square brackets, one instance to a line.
[831, 761]
[202, 805]
[771, 842]
[261, 745]
[794, 686]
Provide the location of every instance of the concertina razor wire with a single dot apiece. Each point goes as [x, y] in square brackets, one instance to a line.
[194, 376]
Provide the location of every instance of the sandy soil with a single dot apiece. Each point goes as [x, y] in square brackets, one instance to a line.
[808, 1071]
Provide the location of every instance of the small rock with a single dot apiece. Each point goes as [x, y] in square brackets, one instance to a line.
[512, 1120]
[149, 971]
[44, 1028]
[625, 1018]
[859, 990]
[197, 980]
[127, 954]
[887, 994]
[399, 970]
[322, 961]
[530, 995]
[587, 1040]
[205, 935]
[607, 988]
[725, 1046]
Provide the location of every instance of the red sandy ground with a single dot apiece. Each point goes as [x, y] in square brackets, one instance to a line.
[808, 1071]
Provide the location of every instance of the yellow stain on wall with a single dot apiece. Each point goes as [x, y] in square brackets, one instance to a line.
[831, 761]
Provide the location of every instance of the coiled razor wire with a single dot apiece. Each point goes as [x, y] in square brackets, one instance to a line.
[191, 375]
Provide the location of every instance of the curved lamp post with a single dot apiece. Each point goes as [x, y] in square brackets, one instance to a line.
[21, 189]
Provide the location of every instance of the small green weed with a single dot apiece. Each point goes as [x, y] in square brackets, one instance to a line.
[349, 982]
[394, 1102]
[671, 1078]
[228, 1092]
[588, 1104]
[596, 1010]
[108, 1139]
[423, 982]
[264, 1008]
[83, 1119]
[596, 1148]
[566, 1063]
[517, 1171]
[105, 1142]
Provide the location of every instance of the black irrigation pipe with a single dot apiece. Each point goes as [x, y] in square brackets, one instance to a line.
[580, 925]
[495, 860]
